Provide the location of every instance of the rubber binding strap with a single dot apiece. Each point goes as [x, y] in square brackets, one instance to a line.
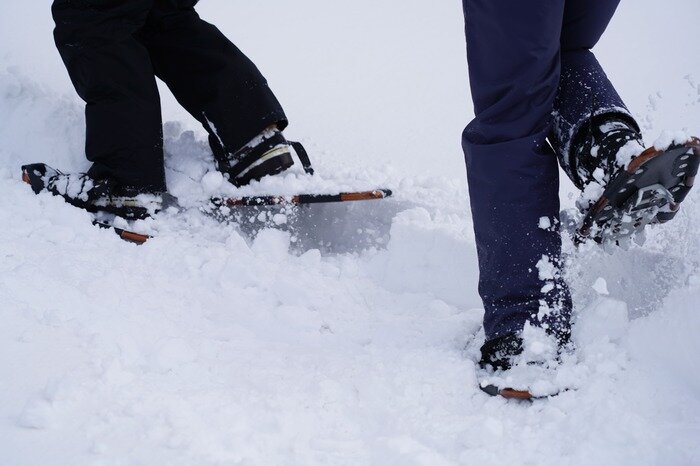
[303, 157]
[251, 157]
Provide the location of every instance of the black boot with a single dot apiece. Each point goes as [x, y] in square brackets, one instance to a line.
[498, 354]
[598, 151]
[268, 154]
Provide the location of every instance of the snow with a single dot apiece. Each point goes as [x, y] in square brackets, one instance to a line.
[590, 194]
[212, 182]
[668, 138]
[546, 269]
[601, 286]
[628, 152]
[338, 336]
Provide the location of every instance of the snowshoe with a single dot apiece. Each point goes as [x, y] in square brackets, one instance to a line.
[649, 191]
[84, 192]
[112, 207]
[118, 209]
[506, 371]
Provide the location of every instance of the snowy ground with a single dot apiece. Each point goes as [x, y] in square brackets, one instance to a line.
[211, 346]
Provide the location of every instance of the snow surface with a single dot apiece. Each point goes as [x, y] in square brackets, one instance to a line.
[351, 338]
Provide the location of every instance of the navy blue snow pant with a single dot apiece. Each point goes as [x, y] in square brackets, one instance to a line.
[114, 49]
[535, 84]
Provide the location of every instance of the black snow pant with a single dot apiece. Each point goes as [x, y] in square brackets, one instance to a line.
[533, 79]
[113, 49]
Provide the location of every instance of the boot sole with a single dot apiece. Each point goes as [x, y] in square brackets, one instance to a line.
[649, 191]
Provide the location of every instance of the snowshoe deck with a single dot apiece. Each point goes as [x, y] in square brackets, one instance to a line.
[649, 191]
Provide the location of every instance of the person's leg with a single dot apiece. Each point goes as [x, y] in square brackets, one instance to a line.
[513, 55]
[600, 145]
[210, 77]
[586, 100]
[112, 72]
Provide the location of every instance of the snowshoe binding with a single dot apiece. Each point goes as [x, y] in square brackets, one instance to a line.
[267, 154]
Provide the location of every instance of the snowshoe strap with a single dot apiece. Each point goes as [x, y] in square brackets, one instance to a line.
[242, 160]
[303, 157]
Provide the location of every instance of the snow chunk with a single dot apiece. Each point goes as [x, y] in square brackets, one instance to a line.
[669, 138]
[279, 219]
[628, 152]
[547, 269]
[599, 175]
[606, 320]
[545, 223]
[601, 286]
[537, 345]
[272, 244]
[36, 414]
[590, 194]
[212, 181]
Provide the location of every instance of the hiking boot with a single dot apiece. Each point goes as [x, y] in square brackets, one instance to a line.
[602, 148]
[267, 154]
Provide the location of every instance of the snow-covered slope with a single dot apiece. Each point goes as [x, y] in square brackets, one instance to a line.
[211, 345]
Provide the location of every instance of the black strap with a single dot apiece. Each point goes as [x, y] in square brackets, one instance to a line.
[303, 157]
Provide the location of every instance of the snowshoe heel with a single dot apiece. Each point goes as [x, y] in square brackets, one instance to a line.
[649, 191]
